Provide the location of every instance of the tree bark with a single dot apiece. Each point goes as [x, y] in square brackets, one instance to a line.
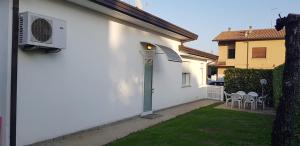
[286, 129]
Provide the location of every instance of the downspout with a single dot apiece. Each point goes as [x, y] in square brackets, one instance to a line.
[14, 73]
[246, 35]
[247, 54]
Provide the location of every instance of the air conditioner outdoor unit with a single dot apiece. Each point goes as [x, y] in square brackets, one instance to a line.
[41, 32]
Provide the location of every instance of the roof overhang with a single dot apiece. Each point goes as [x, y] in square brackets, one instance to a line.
[133, 15]
[197, 53]
[250, 35]
[235, 40]
[170, 53]
[193, 57]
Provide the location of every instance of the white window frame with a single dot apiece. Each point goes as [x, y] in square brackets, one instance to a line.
[186, 79]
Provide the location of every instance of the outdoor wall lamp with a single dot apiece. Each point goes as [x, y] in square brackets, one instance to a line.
[148, 46]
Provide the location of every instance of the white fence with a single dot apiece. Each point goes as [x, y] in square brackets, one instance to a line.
[215, 92]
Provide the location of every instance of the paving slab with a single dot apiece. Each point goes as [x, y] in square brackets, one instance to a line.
[105, 134]
[266, 111]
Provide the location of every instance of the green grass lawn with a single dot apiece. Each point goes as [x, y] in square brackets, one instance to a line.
[206, 126]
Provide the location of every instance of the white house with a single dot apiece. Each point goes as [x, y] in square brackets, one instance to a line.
[100, 76]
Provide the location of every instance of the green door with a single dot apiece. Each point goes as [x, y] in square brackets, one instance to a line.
[148, 75]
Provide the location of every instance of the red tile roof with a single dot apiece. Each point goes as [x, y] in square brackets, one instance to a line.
[254, 34]
[199, 53]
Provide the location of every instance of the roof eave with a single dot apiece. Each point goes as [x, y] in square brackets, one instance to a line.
[131, 14]
[228, 40]
[206, 55]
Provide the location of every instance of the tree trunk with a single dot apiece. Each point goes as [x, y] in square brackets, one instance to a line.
[286, 130]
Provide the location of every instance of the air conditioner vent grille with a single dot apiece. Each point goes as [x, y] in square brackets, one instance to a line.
[41, 30]
[21, 28]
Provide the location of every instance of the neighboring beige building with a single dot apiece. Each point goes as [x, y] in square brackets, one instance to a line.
[252, 48]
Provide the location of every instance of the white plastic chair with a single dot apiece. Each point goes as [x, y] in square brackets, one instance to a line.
[255, 95]
[227, 98]
[261, 101]
[249, 99]
[236, 98]
[242, 93]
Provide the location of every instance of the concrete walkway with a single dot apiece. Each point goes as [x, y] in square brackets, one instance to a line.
[108, 133]
[266, 111]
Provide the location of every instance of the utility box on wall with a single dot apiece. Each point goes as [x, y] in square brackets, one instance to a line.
[41, 32]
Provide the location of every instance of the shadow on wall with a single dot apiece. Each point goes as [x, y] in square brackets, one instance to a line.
[126, 64]
[125, 67]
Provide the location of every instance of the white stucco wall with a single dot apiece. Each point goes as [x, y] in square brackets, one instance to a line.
[98, 79]
[168, 89]
[5, 53]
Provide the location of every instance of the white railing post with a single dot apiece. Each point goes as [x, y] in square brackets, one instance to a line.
[222, 93]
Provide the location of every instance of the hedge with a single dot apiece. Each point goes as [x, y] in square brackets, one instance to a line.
[249, 80]
[277, 84]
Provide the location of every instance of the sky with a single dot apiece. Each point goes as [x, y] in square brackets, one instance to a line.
[208, 18]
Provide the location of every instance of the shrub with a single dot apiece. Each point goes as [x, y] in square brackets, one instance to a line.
[248, 80]
[277, 84]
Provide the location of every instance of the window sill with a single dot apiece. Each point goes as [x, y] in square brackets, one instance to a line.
[185, 86]
[259, 58]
